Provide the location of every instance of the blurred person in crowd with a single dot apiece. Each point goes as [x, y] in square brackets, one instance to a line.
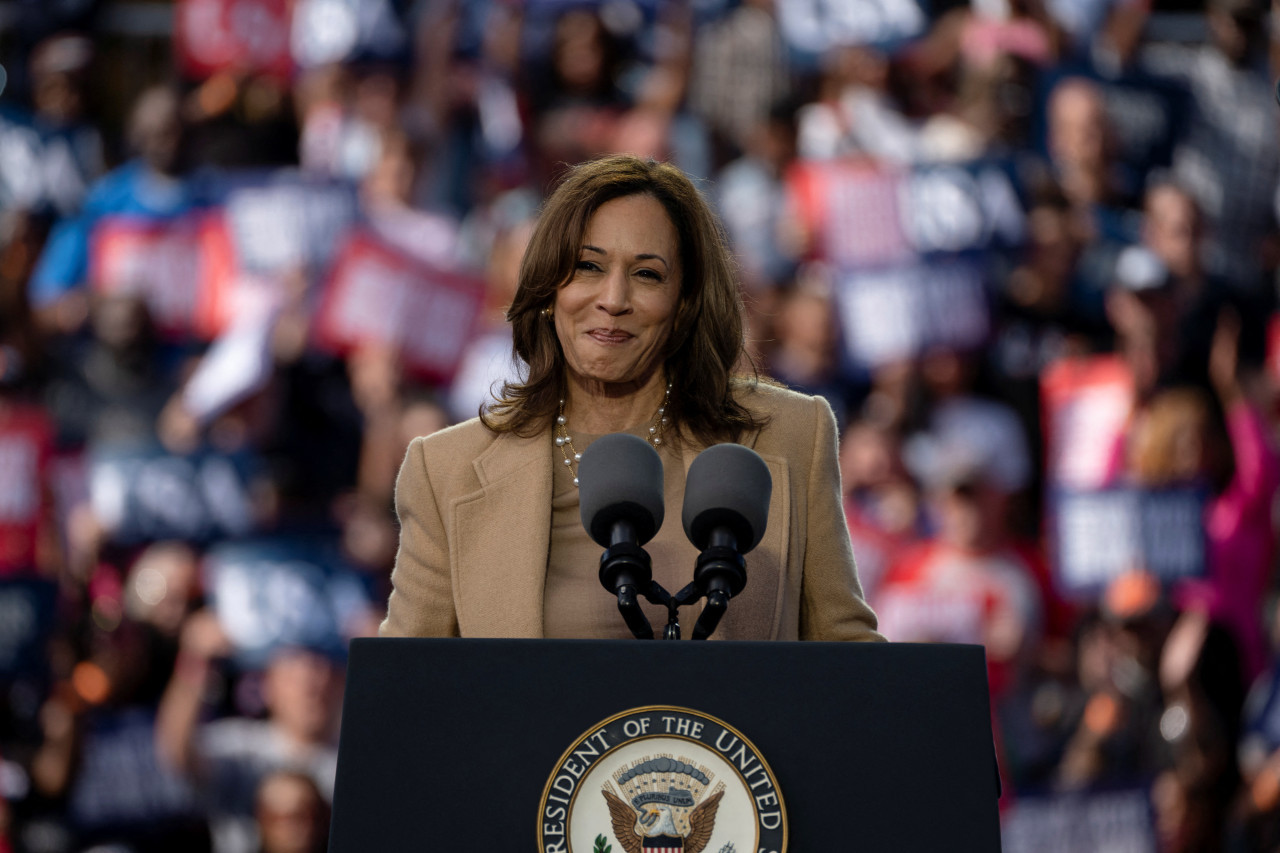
[990, 114]
[162, 588]
[1227, 157]
[1174, 230]
[239, 120]
[1083, 157]
[970, 582]
[1043, 312]
[497, 235]
[97, 759]
[54, 153]
[292, 814]
[856, 111]
[387, 201]
[740, 71]
[628, 315]
[1183, 436]
[368, 531]
[883, 503]
[344, 112]
[22, 235]
[1107, 733]
[463, 102]
[112, 387]
[152, 185]
[1143, 309]
[574, 94]
[228, 757]
[1083, 160]
[751, 197]
[804, 353]
[1201, 723]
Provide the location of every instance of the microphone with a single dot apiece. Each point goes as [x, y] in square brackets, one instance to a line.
[726, 510]
[621, 502]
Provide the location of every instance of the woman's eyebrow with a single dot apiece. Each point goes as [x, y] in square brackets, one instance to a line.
[644, 256]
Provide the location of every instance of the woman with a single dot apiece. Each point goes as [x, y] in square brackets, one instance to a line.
[629, 320]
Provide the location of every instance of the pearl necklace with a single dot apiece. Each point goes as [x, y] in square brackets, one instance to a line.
[572, 457]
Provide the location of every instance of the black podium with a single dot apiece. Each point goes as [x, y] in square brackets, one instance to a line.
[470, 744]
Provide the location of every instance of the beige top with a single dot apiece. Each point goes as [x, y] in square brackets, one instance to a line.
[574, 561]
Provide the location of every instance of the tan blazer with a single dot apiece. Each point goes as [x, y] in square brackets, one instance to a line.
[475, 527]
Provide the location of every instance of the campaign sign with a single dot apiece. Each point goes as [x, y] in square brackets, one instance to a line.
[269, 236]
[120, 783]
[158, 260]
[901, 311]
[1099, 535]
[143, 493]
[291, 222]
[1086, 405]
[378, 295]
[326, 31]
[1119, 820]
[285, 591]
[45, 168]
[866, 214]
[816, 26]
[26, 621]
[240, 36]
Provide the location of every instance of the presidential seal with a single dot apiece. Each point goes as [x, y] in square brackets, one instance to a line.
[662, 779]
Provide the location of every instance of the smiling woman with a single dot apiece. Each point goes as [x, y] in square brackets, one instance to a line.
[614, 316]
[628, 317]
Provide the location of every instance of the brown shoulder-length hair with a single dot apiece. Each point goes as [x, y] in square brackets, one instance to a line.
[707, 340]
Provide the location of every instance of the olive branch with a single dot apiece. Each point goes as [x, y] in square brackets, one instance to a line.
[602, 845]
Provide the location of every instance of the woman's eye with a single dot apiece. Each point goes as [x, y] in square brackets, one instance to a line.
[648, 273]
[587, 265]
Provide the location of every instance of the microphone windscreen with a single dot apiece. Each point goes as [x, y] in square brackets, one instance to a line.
[620, 479]
[728, 486]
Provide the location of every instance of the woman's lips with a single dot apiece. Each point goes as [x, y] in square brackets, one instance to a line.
[610, 336]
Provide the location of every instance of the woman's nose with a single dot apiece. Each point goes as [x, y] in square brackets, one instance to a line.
[615, 293]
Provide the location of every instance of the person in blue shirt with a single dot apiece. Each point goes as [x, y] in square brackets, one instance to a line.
[150, 186]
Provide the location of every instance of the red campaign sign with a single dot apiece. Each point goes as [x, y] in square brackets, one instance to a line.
[26, 452]
[251, 36]
[377, 295]
[159, 260]
[1086, 407]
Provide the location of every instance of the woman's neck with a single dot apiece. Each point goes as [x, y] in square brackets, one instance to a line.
[599, 410]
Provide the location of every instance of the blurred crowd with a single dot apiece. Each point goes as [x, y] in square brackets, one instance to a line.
[1026, 248]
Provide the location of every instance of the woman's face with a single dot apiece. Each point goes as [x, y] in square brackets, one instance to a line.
[615, 314]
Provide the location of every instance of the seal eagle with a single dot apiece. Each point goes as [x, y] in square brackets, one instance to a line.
[654, 828]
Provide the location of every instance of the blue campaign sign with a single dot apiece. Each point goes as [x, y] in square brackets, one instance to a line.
[26, 621]
[46, 168]
[285, 591]
[1086, 820]
[901, 311]
[815, 26]
[144, 493]
[288, 221]
[1099, 535]
[326, 31]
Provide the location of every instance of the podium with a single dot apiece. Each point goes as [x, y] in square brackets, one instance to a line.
[451, 744]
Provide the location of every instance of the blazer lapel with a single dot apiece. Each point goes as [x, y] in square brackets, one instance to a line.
[503, 532]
